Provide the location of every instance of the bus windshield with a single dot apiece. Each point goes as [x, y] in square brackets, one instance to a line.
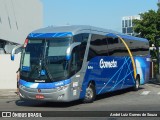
[44, 59]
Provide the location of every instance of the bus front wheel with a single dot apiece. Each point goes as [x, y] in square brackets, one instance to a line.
[90, 94]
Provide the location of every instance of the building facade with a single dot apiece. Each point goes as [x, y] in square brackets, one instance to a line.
[17, 19]
[127, 24]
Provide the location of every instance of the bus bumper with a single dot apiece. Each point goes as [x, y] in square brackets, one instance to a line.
[61, 94]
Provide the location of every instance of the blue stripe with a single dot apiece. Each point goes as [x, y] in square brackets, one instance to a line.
[126, 37]
[49, 35]
[133, 38]
[44, 85]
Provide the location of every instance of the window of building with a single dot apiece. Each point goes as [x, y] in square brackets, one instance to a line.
[124, 30]
[129, 30]
[122, 23]
[130, 23]
[126, 23]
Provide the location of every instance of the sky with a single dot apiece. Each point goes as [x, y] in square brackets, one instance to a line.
[99, 13]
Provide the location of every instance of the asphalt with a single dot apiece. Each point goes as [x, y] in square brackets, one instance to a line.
[6, 93]
[155, 81]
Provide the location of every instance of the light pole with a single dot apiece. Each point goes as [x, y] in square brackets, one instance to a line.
[158, 55]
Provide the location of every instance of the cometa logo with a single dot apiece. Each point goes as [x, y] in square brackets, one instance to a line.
[107, 64]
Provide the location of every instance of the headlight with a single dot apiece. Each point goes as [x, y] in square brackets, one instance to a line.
[61, 88]
[21, 86]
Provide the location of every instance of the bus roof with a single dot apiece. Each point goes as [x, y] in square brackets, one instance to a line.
[62, 31]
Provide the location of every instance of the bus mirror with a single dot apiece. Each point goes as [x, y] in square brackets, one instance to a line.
[13, 51]
[69, 50]
[68, 53]
[12, 57]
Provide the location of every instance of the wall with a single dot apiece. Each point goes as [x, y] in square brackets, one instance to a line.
[18, 18]
[8, 70]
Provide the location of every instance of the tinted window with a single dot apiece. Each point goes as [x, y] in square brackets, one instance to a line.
[116, 48]
[58, 46]
[138, 48]
[77, 59]
[108, 46]
[81, 37]
[98, 46]
[78, 53]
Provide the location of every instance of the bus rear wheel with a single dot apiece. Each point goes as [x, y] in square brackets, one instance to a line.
[137, 84]
[90, 94]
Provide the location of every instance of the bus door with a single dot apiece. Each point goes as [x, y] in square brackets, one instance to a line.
[76, 62]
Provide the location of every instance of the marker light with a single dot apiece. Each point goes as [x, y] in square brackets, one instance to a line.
[25, 43]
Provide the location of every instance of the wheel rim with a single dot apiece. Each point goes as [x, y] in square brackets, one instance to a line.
[89, 94]
[137, 84]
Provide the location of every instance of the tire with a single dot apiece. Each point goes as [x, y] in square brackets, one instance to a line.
[90, 94]
[21, 98]
[136, 86]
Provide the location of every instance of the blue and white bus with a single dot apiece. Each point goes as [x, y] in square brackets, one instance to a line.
[68, 63]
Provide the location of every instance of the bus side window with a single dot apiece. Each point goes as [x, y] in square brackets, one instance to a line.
[138, 48]
[98, 46]
[78, 52]
[116, 47]
[76, 60]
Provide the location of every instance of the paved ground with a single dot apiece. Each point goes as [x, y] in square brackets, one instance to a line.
[5, 93]
[146, 99]
[10, 93]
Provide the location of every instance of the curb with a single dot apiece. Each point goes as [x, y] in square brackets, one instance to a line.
[154, 81]
[8, 93]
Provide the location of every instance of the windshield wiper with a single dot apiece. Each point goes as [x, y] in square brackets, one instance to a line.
[48, 72]
[33, 70]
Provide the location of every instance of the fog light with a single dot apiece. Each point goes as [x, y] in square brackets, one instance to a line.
[61, 88]
[60, 96]
[21, 95]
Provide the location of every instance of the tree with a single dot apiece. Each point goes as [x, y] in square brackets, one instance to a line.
[149, 27]
[146, 27]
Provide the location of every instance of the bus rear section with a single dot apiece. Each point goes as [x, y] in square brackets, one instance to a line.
[116, 62]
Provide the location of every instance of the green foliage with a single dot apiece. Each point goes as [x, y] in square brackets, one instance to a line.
[149, 27]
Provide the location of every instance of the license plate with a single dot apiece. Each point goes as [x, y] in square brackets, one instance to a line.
[39, 96]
